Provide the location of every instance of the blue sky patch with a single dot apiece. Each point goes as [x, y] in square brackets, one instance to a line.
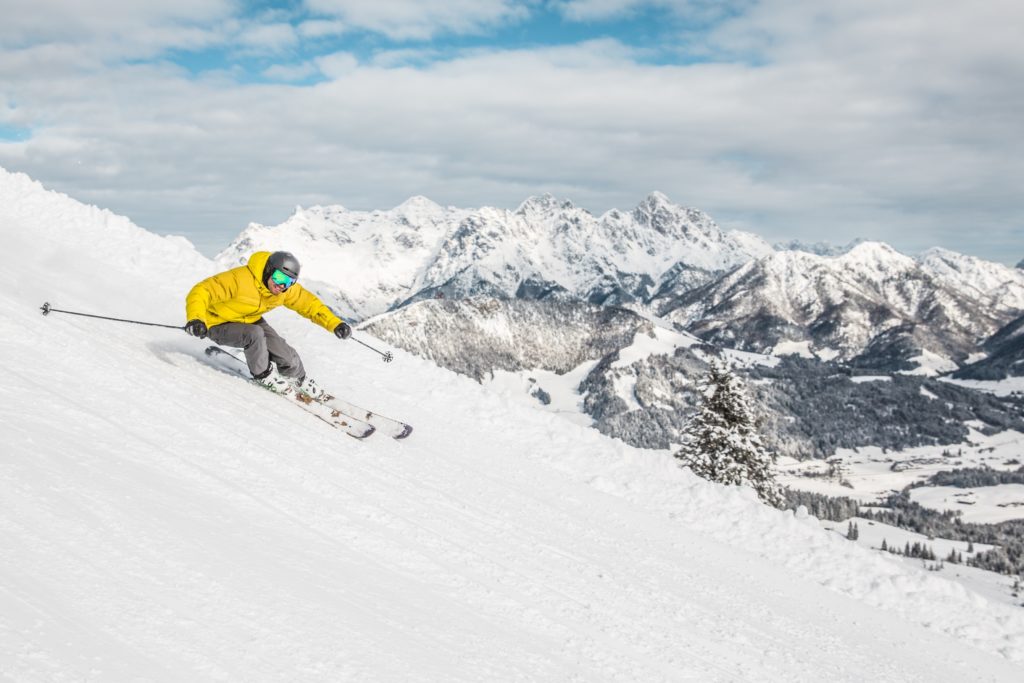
[13, 133]
[656, 35]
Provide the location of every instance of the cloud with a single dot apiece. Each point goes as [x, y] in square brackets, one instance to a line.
[692, 10]
[322, 28]
[422, 19]
[126, 27]
[894, 121]
[337, 65]
[292, 72]
[589, 10]
[267, 37]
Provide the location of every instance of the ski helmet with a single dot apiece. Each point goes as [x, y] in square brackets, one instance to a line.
[283, 261]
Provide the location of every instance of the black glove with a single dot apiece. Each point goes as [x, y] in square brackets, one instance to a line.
[197, 328]
[343, 330]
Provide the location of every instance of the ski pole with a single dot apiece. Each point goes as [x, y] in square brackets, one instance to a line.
[388, 357]
[47, 309]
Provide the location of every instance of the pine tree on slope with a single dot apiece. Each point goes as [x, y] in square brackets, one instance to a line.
[721, 442]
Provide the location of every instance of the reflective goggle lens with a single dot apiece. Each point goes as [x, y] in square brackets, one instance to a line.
[282, 279]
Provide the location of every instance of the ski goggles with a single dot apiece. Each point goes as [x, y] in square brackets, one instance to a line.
[279, 277]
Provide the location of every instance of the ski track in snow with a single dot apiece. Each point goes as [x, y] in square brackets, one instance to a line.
[163, 520]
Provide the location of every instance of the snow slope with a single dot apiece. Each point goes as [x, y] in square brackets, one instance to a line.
[163, 520]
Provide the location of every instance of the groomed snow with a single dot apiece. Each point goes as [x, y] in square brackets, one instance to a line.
[163, 520]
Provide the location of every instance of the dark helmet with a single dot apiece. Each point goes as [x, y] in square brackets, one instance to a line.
[283, 261]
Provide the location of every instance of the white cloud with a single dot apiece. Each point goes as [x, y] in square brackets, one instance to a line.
[422, 19]
[883, 120]
[601, 10]
[588, 10]
[268, 37]
[337, 65]
[393, 59]
[162, 23]
[291, 72]
[321, 28]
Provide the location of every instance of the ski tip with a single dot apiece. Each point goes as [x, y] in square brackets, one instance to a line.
[406, 431]
[370, 430]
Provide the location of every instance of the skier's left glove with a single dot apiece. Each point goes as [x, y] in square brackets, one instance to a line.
[343, 330]
[197, 328]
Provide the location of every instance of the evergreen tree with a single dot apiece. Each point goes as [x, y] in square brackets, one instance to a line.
[721, 442]
[852, 532]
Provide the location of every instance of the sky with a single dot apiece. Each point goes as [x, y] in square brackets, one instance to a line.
[811, 120]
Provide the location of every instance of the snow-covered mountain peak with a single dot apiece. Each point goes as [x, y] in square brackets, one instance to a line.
[845, 305]
[543, 204]
[655, 201]
[1001, 286]
[377, 260]
[878, 257]
[939, 260]
[418, 201]
[418, 210]
[660, 213]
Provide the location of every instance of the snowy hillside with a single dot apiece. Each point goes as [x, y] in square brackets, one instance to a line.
[163, 520]
[380, 259]
[477, 337]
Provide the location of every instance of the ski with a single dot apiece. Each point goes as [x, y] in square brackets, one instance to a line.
[352, 426]
[396, 429]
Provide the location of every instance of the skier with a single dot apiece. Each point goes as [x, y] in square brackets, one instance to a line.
[228, 307]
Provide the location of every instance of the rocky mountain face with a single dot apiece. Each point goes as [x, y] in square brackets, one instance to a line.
[870, 306]
[864, 304]
[547, 248]
[479, 336]
[1004, 355]
[808, 408]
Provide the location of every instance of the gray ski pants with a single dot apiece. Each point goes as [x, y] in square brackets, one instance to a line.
[262, 344]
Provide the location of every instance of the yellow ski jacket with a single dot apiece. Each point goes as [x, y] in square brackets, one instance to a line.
[239, 295]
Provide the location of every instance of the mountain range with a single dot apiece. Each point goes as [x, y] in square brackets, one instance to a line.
[381, 260]
[871, 305]
[865, 304]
